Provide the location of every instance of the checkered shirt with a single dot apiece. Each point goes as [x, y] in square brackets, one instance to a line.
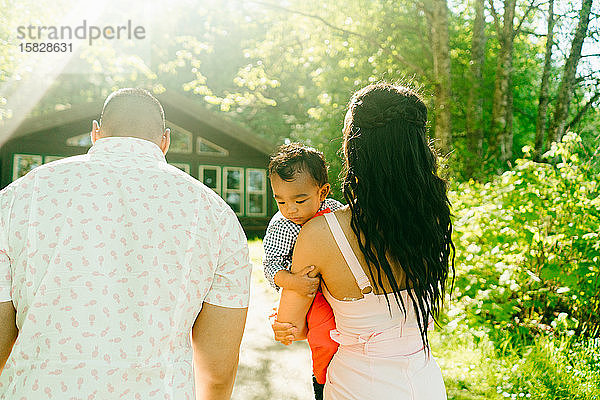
[280, 239]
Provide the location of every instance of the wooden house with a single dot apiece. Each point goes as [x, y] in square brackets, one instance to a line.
[226, 157]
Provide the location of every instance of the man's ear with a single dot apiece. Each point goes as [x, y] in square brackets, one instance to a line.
[165, 141]
[95, 134]
[324, 191]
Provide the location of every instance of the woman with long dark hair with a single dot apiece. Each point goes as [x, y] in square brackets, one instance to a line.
[384, 260]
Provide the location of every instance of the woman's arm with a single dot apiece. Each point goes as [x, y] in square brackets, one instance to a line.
[293, 307]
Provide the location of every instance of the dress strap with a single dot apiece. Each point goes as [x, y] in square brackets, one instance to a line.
[342, 241]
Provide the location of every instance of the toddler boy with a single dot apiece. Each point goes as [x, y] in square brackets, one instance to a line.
[300, 186]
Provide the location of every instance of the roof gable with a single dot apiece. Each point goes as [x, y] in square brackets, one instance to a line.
[169, 100]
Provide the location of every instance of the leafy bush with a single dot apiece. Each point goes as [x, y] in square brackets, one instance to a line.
[528, 246]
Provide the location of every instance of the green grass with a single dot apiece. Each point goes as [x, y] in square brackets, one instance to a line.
[549, 368]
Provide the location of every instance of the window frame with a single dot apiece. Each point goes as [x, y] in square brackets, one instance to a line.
[217, 168]
[241, 190]
[87, 145]
[263, 192]
[189, 135]
[50, 158]
[223, 152]
[15, 163]
[187, 166]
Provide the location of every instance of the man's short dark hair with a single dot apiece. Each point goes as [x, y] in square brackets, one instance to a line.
[132, 112]
[291, 159]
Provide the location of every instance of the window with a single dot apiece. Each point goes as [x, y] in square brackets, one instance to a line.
[256, 192]
[48, 159]
[84, 140]
[207, 148]
[182, 166]
[23, 163]
[210, 175]
[181, 140]
[233, 188]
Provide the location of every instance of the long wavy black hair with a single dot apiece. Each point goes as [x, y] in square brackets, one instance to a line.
[400, 209]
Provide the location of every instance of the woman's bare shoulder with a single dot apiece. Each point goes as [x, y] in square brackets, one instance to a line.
[316, 244]
[319, 228]
[343, 214]
[313, 230]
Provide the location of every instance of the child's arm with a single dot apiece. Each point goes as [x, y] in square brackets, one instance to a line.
[278, 245]
[272, 267]
[293, 307]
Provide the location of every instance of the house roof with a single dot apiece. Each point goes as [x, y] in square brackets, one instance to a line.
[169, 98]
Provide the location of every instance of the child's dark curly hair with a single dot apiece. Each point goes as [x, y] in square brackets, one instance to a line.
[290, 159]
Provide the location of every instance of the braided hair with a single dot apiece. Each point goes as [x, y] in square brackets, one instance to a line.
[399, 208]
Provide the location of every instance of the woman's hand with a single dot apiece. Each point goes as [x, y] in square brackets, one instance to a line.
[304, 282]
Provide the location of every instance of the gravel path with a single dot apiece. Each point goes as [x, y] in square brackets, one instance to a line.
[269, 370]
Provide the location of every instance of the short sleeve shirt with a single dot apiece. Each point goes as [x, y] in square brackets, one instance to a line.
[108, 258]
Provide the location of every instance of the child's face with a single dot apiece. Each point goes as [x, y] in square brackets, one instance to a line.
[300, 199]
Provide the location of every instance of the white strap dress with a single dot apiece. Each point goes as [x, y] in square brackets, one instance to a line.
[381, 354]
